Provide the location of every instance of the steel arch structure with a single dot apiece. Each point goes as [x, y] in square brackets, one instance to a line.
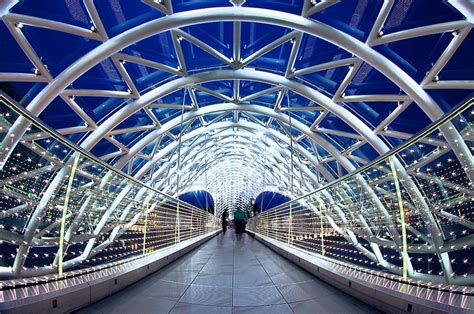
[158, 153]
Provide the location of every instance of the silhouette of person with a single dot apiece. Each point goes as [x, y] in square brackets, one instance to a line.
[239, 221]
[224, 221]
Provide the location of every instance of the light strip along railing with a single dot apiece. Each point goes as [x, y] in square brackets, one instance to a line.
[108, 218]
[354, 233]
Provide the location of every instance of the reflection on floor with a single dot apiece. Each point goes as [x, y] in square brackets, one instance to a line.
[230, 274]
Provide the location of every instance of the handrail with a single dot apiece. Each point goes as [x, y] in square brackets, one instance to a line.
[12, 104]
[448, 116]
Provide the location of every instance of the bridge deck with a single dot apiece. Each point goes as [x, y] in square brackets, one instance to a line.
[230, 274]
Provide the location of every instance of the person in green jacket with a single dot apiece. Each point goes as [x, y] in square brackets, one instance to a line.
[239, 221]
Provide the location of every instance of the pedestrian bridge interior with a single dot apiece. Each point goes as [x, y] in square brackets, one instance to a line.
[343, 129]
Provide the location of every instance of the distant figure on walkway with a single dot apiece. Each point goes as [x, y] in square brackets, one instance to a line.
[239, 221]
[225, 214]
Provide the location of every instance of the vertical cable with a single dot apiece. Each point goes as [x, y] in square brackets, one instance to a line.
[146, 208]
[144, 231]
[402, 218]
[63, 216]
[321, 207]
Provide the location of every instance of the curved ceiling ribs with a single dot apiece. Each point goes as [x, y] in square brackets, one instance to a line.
[230, 130]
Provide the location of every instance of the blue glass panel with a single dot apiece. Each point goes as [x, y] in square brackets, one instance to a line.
[210, 117]
[120, 15]
[165, 140]
[59, 115]
[407, 14]
[461, 65]
[103, 76]
[370, 81]
[103, 147]
[251, 87]
[137, 163]
[298, 118]
[353, 17]
[200, 199]
[321, 151]
[413, 60]
[274, 60]
[256, 36]
[158, 48]
[194, 125]
[205, 99]
[23, 92]
[412, 120]
[145, 77]
[62, 48]
[366, 152]
[371, 112]
[12, 58]
[176, 98]
[265, 101]
[328, 80]
[216, 35]
[261, 118]
[223, 87]
[99, 107]
[267, 200]
[70, 12]
[208, 69]
[128, 139]
[229, 117]
[165, 115]
[344, 142]
[306, 143]
[148, 149]
[274, 125]
[295, 100]
[332, 167]
[196, 58]
[333, 122]
[449, 98]
[306, 117]
[137, 119]
[176, 130]
[314, 51]
[75, 138]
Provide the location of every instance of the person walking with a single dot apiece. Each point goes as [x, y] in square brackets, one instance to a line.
[224, 220]
[239, 220]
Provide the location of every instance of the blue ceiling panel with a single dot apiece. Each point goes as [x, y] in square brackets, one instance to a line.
[216, 35]
[353, 17]
[62, 48]
[407, 14]
[158, 48]
[12, 57]
[121, 15]
[370, 81]
[59, 115]
[71, 12]
[460, 67]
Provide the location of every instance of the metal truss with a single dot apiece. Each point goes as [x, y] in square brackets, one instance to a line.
[237, 145]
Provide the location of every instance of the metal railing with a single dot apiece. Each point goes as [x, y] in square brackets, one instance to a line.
[407, 215]
[61, 208]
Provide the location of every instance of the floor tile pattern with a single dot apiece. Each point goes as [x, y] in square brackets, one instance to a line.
[230, 274]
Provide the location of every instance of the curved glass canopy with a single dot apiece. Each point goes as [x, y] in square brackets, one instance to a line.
[239, 97]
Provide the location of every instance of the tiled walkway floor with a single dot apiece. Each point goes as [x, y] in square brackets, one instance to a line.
[230, 274]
